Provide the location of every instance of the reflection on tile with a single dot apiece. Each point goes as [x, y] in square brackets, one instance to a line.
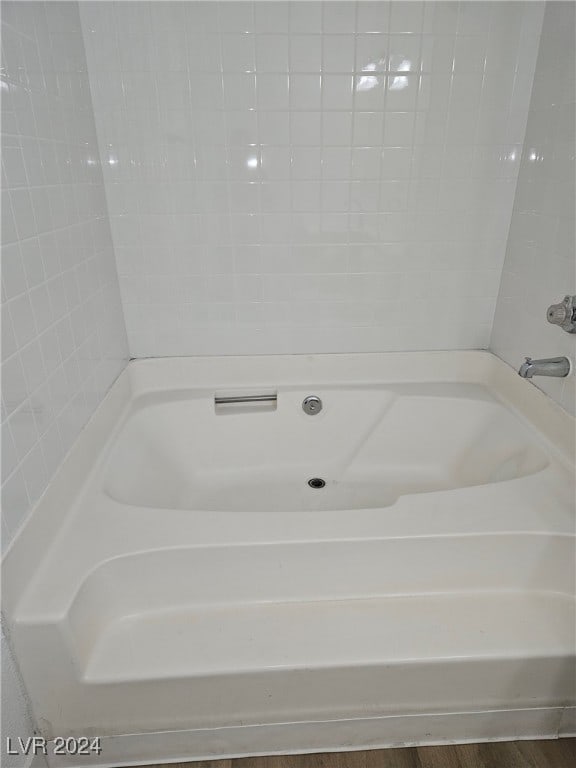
[340, 128]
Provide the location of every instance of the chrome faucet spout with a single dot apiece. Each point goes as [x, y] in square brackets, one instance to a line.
[552, 366]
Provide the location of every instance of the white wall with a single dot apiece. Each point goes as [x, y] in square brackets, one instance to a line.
[540, 266]
[309, 177]
[63, 335]
[63, 341]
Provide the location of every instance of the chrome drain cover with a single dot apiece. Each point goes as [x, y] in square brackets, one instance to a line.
[316, 482]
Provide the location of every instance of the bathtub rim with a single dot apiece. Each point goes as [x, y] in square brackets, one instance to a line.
[141, 376]
[149, 375]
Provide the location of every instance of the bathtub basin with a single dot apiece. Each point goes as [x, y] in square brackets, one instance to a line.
[370, 445]
[182, 591]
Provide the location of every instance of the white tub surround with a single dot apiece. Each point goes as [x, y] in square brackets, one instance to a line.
[540, 267]
[295, 177]
[424, 595]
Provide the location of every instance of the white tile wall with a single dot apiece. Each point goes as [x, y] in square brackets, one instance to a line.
[540, 267]
[309, 177]
[63, 337]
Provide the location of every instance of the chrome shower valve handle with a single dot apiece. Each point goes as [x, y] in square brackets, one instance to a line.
[563, 314]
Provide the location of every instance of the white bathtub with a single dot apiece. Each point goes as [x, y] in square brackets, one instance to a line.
[199, 599]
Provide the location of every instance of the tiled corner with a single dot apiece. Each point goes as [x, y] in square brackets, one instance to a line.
[63, 337]
[540, 266]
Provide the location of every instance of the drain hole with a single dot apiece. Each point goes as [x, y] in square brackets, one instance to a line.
[316, 482]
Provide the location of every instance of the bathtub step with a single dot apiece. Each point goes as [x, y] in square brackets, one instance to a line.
[236, 638]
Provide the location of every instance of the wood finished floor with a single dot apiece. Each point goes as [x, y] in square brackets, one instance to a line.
[559, 753]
